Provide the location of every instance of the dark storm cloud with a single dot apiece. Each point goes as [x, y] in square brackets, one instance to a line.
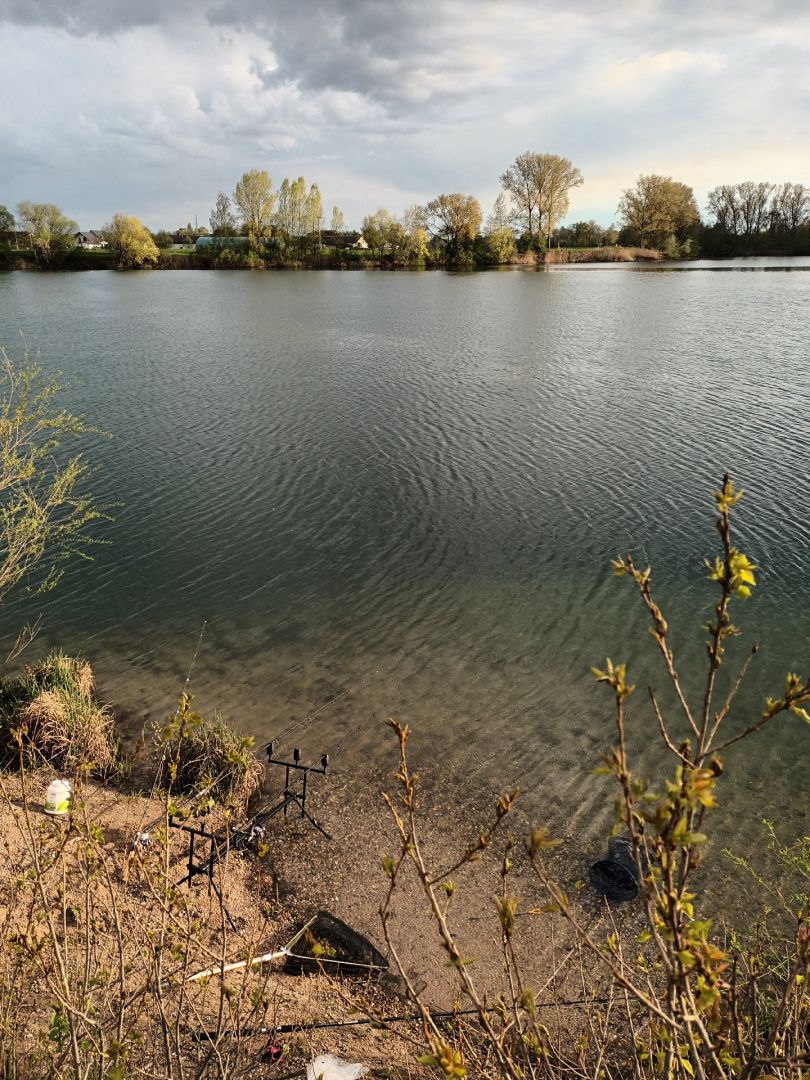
[89, 16]
[362, 46]
[409, 54]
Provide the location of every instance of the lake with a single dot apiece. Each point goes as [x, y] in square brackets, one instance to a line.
[403, 491]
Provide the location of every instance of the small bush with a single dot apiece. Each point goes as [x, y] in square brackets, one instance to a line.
[51, 713]
[209, 760]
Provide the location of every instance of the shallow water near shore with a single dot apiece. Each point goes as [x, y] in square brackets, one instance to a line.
[398, 495]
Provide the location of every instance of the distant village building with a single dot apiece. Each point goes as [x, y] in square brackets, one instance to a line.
[91, 238]
[340, 240]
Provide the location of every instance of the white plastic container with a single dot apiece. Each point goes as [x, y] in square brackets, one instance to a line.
[57, 798]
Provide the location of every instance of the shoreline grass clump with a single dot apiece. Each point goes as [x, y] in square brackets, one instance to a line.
[50, 715]
[208, 760]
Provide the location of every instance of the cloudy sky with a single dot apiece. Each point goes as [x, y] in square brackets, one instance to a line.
[152, 106]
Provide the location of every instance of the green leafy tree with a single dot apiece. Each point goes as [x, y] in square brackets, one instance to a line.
[671, 248]
[560, 177]
[656, 208]
[298, 215]
[376, 230]
[6, 219]
[162, 238]
[396, 242]
[415, 249]
[523, 183]
[337, 223]
[454, 220]
[50, 233]
[581, 234]
[254, 199]
[401, 243]
[498, 247]
[313, 216]
[538, 186]
[282, 217]
[298, 207]
[43, 513]
[131, 243]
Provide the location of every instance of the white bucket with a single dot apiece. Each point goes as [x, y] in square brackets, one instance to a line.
[57, 798]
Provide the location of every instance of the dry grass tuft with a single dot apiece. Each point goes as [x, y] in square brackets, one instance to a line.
[50, 710]
[85, 680]
[46, 711]
[211, 758]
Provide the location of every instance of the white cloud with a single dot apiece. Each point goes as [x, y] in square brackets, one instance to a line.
[152, 107]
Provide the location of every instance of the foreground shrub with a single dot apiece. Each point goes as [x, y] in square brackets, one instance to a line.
[208, 760]
[98, 943]
[688, 1003]
[44, 514]
[51, 715]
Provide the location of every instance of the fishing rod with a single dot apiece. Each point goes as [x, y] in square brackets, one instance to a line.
[142, 835]
[288, 1029]
[278, 740]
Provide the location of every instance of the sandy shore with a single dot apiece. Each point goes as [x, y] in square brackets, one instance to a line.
[303, 872]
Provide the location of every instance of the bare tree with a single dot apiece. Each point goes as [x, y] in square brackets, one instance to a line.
[753, 200]
[723, 203]
[790, 207]
[222, 220]
[413, 219]
[501, 216]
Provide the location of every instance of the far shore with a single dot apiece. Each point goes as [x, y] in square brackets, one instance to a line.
[190, 259]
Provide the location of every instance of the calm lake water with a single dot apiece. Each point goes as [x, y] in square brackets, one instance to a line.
[409, 486]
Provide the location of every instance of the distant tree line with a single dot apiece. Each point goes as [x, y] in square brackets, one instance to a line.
[257, 225]
[752, 217]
